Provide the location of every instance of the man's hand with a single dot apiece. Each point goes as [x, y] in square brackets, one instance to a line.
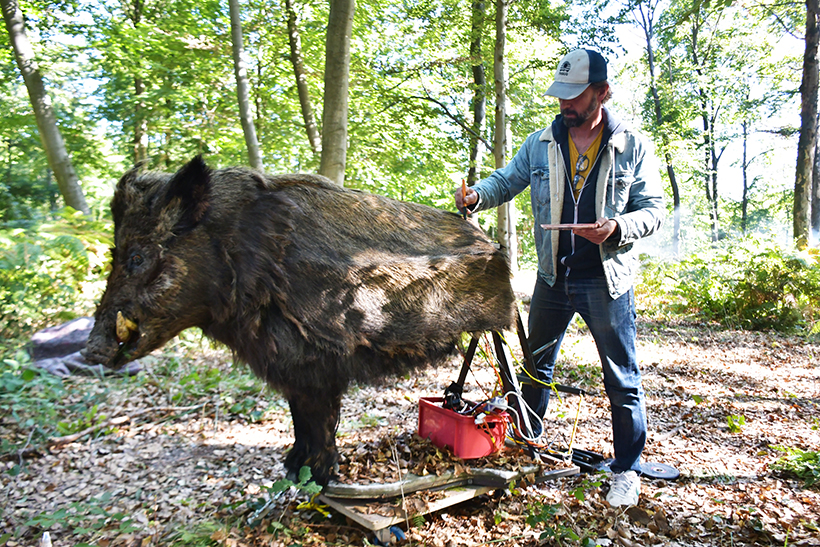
[604, 227]
[463, 201]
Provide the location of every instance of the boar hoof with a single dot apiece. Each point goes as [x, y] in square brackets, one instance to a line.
[323, 465]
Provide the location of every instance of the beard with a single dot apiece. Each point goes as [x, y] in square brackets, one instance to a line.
[573, 118]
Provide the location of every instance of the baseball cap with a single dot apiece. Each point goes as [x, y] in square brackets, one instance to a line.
[576, 70]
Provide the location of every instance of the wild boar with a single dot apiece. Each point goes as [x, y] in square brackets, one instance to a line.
[314, 286]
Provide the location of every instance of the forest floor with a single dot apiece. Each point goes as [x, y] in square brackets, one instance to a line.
[179, 473]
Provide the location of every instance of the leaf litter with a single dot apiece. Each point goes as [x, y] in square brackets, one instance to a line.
[174, 477]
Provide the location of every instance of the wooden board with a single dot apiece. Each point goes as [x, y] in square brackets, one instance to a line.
[362, 513]
[381, 513]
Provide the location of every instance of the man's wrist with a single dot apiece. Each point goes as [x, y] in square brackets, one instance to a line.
[615, 236]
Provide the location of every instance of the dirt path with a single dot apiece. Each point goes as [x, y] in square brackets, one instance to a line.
[718, 403]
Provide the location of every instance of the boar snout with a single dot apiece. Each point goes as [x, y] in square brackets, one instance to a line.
[113, 342]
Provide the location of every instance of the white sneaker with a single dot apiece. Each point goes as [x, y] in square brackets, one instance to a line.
[624, 490]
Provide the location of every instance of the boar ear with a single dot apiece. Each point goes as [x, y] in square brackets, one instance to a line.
[189, 190]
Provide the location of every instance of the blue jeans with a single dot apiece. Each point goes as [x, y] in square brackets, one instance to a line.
[612, 325]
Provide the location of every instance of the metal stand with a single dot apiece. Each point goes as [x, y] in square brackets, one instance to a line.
[382, 507]
[509, 380]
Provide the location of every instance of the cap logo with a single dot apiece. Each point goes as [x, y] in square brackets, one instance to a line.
[564, 69]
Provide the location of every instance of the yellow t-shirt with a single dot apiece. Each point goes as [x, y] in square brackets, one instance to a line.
[581, 164]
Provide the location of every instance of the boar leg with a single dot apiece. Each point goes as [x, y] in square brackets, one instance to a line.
[315, 419]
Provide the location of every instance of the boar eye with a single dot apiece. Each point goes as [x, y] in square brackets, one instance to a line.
[135, 260]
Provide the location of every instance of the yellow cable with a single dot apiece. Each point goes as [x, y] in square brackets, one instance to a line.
[575, 425]
[323, 509]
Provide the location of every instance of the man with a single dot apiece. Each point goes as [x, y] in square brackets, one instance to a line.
[587, 169]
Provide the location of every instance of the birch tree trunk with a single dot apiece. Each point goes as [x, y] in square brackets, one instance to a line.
[52, 139]
[305, 103]
[337, 81]
[808, 127]
[243, 88]
[506, 212]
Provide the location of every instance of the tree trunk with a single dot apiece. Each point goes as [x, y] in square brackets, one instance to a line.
[745, 167]
[815, 194]
[506, 212]
[337, 81]
[710, 168]
[479, 93]
[713, 159]
[140, 123]
[242, 87]
[647, 24]
[808, 127]
[295, 40]
[140, 142]
[709, 176]
[52, 139]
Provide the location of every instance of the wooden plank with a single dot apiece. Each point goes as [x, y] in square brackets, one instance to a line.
[370, 513]
[359, 512]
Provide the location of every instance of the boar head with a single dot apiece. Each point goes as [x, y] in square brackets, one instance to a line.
[162, 269]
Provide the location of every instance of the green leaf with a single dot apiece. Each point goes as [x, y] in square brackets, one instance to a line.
[29, 374]
[304, 474]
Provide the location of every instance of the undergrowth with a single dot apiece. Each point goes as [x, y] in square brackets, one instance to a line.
[50, 272]
[803, 464]
[751, 284]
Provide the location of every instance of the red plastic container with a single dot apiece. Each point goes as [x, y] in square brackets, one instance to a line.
[451, 430]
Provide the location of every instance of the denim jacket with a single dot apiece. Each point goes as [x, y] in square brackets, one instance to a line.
[628, 190]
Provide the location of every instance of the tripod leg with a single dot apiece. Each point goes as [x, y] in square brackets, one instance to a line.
[509, 382]
[452, 395]
[529, 361]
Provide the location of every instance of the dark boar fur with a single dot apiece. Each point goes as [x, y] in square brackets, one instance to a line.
[311, 284]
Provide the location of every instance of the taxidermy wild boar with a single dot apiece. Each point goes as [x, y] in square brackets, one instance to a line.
[311, 284]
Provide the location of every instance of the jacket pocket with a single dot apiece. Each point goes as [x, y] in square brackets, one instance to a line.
[617, 197]
[540, 185]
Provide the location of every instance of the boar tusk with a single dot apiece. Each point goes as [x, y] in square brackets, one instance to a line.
[124, 327]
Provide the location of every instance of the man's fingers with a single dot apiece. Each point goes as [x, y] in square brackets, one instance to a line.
[471, 197]
[462, 200]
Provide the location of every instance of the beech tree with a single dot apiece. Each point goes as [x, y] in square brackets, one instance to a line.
[242, 87]
[645, 15]
[479, 100]
[808, 127]
[134, 13]
[815, 196]
[52, 139]
[506, 212]
[337, 83]
[306, 105]
[167, 80]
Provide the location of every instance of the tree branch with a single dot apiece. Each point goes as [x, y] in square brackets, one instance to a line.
[455, 118]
